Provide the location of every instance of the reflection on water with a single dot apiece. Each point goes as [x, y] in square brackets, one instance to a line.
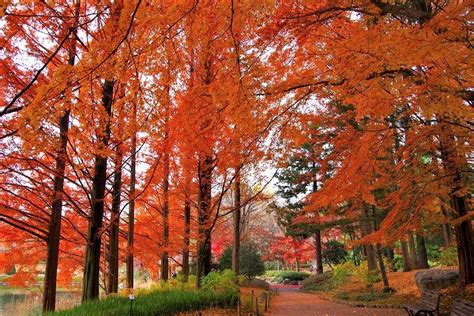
[29, 303]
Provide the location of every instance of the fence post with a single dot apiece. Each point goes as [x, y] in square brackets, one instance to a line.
[256, 306]
[238, 307]
[251, 303]
[267, 300]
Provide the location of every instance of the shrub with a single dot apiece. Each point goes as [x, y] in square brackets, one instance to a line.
[398, 263]
[316, 280]
[293, 275]
[366, 276]
[279, 276]
[221, 282]
[449, 257]
[250, 261]
[341, 273]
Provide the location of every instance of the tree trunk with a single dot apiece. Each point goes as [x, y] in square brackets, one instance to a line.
[464, 243]
[412, 251]
[204, 210]
[54, 229]
[131, 205]
[383, 271]
[90, 289]
[114, 227]
[446, 229]
[317, 239]
[236, 222]
[319, 253]
[405, 257]
[390, 257]
[452, 162]
[165, 244]
[422, 255]
[166, 182]
[187, 230]
[369, 249]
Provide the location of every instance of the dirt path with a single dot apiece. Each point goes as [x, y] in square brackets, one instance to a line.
[290, 301]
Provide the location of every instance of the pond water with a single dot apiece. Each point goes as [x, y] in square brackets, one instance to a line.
[29, 303]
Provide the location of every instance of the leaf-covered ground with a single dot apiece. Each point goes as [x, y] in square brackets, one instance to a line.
[406, 292]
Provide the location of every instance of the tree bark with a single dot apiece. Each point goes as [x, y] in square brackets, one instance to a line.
[383, 271]
[114, 227]
[131, 205]
[90, 289]
[187, 230]
[204, 239]
[422, 255]
[390, 257]
[319, 253]
[446, 230]
[236, 223]
[412, 252]
[405, 257]
[452, 162]
[317, 239]
[366, 228]
[464, 242]
[165, 244]
[54, 229]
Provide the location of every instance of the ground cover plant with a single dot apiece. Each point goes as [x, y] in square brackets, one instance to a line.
[219, 290]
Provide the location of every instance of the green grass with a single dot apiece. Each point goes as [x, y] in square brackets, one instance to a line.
[158, 302]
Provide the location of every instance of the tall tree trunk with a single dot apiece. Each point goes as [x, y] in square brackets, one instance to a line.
[383, 271]
[405, 257]
[90, 289]
[164, 256]
[422, 255]
[187, 230]
[446, 230]
[319, 253]
[166, 179]
[366, 228]
[131, 205]
[453, 162]
[317, 238]
[412, 251]
[390, 257]
[114, 227]
[54, 229]
[236, 223]
[204, 210]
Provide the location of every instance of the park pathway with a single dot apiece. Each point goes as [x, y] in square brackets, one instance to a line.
[290, 301]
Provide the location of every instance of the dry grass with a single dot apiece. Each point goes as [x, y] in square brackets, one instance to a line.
[247, 299]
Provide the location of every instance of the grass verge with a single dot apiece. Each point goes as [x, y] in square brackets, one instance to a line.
[158, 302]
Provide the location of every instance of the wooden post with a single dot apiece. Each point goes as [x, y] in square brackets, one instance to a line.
[267, 298]
[256, 306]
[238, 307]
[251, 302]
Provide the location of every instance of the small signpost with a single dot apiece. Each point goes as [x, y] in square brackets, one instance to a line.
[131, 297]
